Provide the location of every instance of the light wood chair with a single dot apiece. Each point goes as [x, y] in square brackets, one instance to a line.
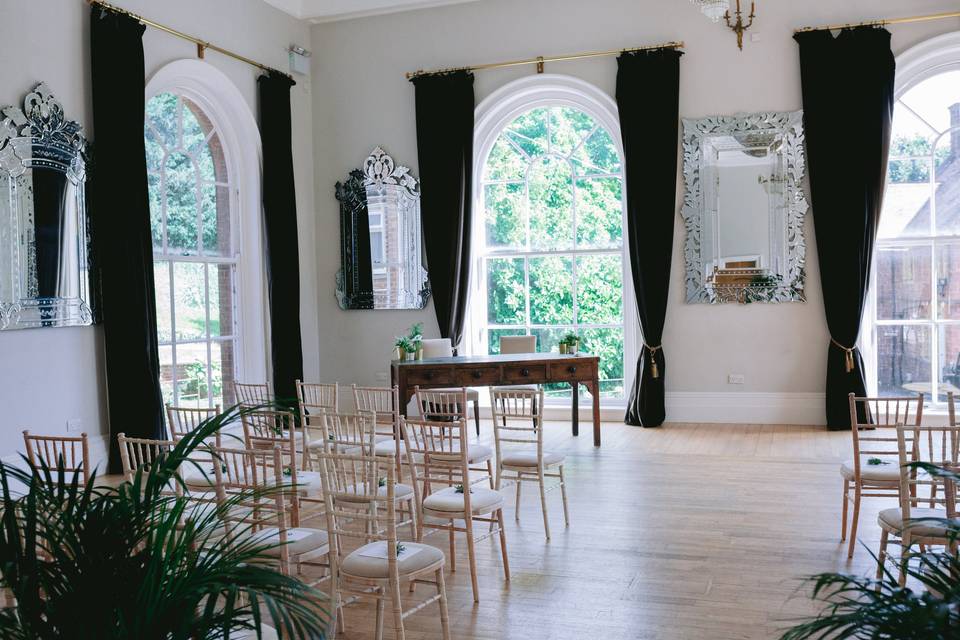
[72, 451]
[872, 472]
[360, 502]
[253, 394]
[384, 403]
[515, 345]
[181, 421]
[448, 405]
[909, 522]
[519, 444]
[314, 396]
[439, 454]
[443, 348]
[137, 453]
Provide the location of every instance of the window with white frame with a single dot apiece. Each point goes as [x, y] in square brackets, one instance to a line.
[195, 253]
[551, 255]
[917, 266]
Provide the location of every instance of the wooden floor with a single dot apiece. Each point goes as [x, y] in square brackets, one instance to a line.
[688, 531]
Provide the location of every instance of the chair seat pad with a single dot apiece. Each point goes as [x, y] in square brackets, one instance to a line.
[889, 472]
[400, 491]
[518, 387]
[449, 501]
[893, 518]
[299, 540]
[266, 633]
[529, 459]
[363, 566]
[389, 448]
[475, 453]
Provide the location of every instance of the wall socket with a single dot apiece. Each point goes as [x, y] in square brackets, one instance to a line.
[74, 425]
[736, 378]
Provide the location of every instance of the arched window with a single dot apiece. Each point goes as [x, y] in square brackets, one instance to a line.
[549, 236]
[916, 286]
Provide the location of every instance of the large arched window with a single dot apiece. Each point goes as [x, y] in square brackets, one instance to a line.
[550, 253]
[916, 313]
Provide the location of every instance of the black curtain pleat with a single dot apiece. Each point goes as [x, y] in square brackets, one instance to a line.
[280, 215]
[49, 200]
[445, 106]
[848, 84]
[120, 225]
[648, 99]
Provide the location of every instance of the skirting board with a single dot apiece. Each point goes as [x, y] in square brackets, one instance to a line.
[746, 407]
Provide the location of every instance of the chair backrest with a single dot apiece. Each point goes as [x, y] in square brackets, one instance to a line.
[384, 402]
[346, 433]
[314, 396]
[441, 404]
[137, 453]
[255, 394]
[183, 420]
[517, 419]
[518, 344]
[943, 451]
[437, 452]
[875, 438]
[437, 348]
[50, 450]
[952, 407]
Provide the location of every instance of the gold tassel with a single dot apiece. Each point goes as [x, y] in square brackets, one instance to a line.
[654, 369]
[849, 360]
[848, 356]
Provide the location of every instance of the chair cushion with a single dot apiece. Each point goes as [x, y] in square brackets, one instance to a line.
[889, 472]
[475, 453]
[388, 448]
[518, 387]
[528, 458]
[893, 518]
[299, 541]
[266, 633]
[449, 501]
[400, 491]
[363, 566]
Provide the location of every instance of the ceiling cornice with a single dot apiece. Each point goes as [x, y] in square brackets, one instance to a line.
[333, 10]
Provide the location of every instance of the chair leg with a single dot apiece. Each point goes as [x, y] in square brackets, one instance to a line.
[453, 548]
[444, 614]
[846, 505]
[414, 525]
[855, 522]
[543, 504]
[563, 494]
[517, 505]
[882, 554]
[380, 602]
[472, 557]
[490, 474]
[476, 415]
[397, 610]
[503, 545]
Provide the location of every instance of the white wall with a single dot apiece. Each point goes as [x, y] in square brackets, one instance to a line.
[364, 100]
[49, 376]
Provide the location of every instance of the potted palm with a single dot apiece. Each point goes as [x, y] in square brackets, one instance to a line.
[97, 562]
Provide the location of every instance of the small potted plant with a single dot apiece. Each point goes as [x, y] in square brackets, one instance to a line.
[416, 338]
[405, 348]
[570, 343]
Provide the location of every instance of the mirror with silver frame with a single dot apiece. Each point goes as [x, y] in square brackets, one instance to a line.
[744, 207]
[44, 247]
[381, 245]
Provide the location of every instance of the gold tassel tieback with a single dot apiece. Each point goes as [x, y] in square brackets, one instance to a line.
[654, 370]
[848, 355]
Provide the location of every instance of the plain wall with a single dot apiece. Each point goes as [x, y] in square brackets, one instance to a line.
[50, 376]
[363, 100]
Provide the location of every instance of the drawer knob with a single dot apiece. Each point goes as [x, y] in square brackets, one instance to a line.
[572, 369]
[525, 372]
[477, 375]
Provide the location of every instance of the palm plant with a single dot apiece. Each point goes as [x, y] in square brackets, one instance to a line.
[88, 561]
[862, 608]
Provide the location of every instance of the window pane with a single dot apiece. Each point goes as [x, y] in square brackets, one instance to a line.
[550, 186]
[189, 300]
[597, 155]
[505, 162]
[607, 344]
[947, 178]
[529, 132]
[221, 299]
[180, 193]
[568, 127]
[903, 359]
[222, 372]
[906, 202]
[949, 345]
[506, 291]
[162, 116]
[948, 281]
[192, 388]
[494, 335]
[931, 99]
[161, 279]
[600, 289]
[599, 213]
[156, 210]
[903, 283]
[196, 126]
[551, 290]
[166, 374]
[505, 204]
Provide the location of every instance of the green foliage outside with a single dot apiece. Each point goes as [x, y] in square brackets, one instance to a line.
[915, 166]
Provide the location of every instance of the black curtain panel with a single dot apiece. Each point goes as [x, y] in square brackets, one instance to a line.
[847, 83]
[120, 225]
[648, 99]
[445, 106]
[280, 215]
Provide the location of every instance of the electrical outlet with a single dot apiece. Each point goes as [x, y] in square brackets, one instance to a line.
[74, 425]
[754, 37]
[736, 378]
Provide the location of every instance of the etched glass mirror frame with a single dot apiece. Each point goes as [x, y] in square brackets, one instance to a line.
[381, 244]
[774, 135]
[44, 269]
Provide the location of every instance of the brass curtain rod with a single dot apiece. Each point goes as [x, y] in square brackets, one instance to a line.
[882, 22]
[202, 45]
[539, 61]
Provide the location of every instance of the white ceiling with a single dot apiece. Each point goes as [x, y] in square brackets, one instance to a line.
[330, 10]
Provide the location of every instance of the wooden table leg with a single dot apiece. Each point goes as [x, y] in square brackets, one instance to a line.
[575, 418]
[596, 413]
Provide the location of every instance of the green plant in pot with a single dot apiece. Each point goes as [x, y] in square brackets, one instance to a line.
[125, 563]
[570, 343]
[405, 348]
[416, 338]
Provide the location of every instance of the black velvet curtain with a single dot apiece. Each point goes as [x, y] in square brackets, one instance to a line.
[280, 214]
[120, 225]
[445, 106]
[648, 99]
[848, 84]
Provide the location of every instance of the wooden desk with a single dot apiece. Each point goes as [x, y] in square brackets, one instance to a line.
[492, 371]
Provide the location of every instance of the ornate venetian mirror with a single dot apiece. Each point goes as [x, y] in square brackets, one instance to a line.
[44, 280]
[744, 207]
[380, 240]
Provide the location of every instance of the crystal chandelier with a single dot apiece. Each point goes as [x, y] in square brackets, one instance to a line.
[713, 9]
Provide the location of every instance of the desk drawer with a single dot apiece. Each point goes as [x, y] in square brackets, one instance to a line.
[524, 373]
[432, 377]
[479, 376]
[566, 371]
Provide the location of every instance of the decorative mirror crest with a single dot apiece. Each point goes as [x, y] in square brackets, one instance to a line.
[744, 207]
[380, 170]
